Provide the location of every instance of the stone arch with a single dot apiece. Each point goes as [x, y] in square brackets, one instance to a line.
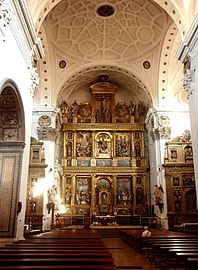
[12, 142]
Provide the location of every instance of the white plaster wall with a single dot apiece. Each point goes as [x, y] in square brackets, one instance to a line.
[193, 102]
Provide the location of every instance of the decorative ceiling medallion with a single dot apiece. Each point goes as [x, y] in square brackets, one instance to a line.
[62, 64]
[146, 64]
[105, 11]
[44, 121]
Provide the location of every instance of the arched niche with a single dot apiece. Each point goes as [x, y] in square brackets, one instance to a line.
[12, 137]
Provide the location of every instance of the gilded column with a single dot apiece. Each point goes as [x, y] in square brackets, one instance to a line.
[73, 190]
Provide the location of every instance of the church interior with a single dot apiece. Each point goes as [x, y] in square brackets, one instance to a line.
[98, 122]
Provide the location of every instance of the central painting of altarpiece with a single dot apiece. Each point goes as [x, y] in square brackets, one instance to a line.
[103, 155]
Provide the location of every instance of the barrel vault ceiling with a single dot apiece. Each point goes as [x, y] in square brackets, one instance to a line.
[132, 42]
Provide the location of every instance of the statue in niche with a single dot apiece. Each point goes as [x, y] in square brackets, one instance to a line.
[53, 197]
[74, 109]
[158, 196]
[99, 115]
[132, 108]
[68, 196]
[177, 199]
[103, 146]
[104, 198]
[137, 149]
[64, 108]
[188, 154]
[158, 193]
[139, 196]
[107, 116]
[141, 108]
[103, 114]
[69, 149]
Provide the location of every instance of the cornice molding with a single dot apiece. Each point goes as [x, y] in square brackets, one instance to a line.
[27, 28]
[189, 46]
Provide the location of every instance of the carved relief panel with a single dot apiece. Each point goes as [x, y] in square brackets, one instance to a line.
[103, 145]
[124, 190]
[83, 191]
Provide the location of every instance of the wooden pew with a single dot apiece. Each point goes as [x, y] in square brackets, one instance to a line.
[191, 264]
[180, 259]
[58, 250]
[135, 240]
[57, 267]
[55, 261]
[158, 245]
[168, 259]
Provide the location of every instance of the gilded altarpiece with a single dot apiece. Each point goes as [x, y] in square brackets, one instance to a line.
[34, 200]
[180, 182]
[104, 162]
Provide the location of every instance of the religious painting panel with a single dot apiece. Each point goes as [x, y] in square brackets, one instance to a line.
[176, 181]
[188, 154]
[83, 144]
[188, 180]
[103, 145]
[123, 145]
[83, 190]
[173, 154]
[124, 190]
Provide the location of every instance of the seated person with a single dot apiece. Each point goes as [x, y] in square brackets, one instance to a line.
[146, 232]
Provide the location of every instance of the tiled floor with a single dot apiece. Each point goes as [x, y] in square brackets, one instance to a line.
[125, 257]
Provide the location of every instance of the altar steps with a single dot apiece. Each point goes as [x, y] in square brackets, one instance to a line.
[109, 233]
